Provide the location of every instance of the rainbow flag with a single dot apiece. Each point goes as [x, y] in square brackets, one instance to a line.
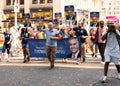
[61, 34]
[1, 42]
[43, 36]
[37, 24]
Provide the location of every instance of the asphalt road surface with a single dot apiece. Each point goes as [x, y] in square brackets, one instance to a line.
[38, 73]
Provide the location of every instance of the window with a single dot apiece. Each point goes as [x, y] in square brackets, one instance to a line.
[13, 2]
[34, 1]
[8, 2]
[49, 1]
[109, 13]
[21, 2]
[42, 1]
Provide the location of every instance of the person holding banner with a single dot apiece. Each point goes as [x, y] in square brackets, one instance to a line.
[24, 36]
[51, 43]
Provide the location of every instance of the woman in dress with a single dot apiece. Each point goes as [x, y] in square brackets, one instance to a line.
[112, 50]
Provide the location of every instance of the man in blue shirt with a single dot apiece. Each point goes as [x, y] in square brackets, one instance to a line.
[51, 43]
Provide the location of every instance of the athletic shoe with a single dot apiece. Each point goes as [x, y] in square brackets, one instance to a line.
[78, 62]
[104, 80]
[102, 62]
[118, 77]
[28, 58]
[8, 60]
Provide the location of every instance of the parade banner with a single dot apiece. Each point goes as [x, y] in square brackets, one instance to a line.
[70, 14]
[82, 16]
[56, 23]
[39, 21]
[41, 18]
[94, 18]
[38, 48]
[112, 18]
[58, 15]
[25, 18]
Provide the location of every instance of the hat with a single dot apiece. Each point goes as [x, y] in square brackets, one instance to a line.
[110, 22]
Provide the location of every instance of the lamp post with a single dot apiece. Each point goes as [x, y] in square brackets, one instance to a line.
[16, 10]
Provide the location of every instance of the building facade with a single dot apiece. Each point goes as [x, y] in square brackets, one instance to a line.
[113, 8]
[47, 8]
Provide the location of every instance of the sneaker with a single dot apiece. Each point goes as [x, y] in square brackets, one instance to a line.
[102, 62]
[95, 56]
[78, 62]
[83, 60]
[92, 54]
[118, 77]
[64, 60]
[52, 65]
[24, 61]
[8, 60]
[104, 80]
[0, 60]
[28, 58]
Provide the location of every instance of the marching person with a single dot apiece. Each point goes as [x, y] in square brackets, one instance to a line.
[81, 31]
[51, 43]
[24, 36]
[92, 42]
[7, 44]
[112, 50]
[101, 43]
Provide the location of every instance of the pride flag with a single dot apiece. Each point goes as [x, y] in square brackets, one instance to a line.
[1, 42]
[61, 34]
[40, 35]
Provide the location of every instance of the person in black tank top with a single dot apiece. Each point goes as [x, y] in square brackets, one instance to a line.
[7, 43]
[24, 36]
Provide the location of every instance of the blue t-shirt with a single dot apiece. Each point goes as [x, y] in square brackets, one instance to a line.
[50, 34]
[7, 37]
[24, 36]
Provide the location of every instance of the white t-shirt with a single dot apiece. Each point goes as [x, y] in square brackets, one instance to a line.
[112, 47]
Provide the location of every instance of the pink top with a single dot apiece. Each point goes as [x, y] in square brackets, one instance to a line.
[100, 31]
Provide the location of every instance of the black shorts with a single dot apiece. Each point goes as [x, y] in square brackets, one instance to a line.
[6, 47]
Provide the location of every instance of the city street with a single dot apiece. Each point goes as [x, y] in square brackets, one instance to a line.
[33, 31]
[37, 73]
